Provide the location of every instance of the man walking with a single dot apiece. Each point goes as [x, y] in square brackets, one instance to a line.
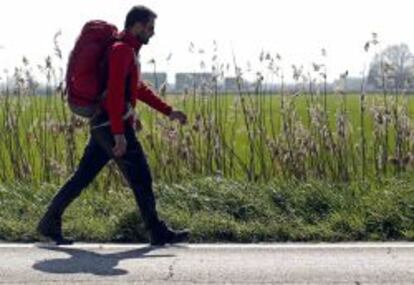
[112, 135]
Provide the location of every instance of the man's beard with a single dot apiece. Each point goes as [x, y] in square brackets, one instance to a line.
[143, 40]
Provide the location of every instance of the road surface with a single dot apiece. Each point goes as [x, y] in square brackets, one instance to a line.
[290, 263]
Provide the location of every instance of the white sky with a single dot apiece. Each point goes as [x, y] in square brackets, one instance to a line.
[296, 29]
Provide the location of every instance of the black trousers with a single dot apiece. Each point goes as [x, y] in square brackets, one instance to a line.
[133, 165]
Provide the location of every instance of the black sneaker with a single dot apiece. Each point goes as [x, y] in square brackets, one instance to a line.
[52, 228]
[162, 235]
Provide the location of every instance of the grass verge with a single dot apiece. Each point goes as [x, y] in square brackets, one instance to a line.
[220, 210]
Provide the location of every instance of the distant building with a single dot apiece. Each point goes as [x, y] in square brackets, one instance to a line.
[230, 84]
[192, 80]
[156, 79]
[351, 84]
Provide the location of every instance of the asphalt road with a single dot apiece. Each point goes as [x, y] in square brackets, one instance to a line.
[292, 263]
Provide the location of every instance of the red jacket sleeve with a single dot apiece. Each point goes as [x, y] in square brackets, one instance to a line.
[147, 95]
[120, 59]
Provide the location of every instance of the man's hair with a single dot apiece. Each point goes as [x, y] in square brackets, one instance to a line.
[140, 14]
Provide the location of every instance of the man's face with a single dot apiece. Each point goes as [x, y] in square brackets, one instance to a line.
[145, 31]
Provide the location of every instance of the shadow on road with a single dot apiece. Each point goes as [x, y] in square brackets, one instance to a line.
[83, 261]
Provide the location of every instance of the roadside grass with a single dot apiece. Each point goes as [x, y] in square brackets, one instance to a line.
[222, 210]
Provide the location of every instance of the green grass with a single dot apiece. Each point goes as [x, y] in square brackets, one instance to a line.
[212, 177]
[216, 209]
[42, 142]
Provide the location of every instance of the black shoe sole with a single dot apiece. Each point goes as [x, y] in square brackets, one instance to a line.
[56, 238]
[61, 240]
[177, 239]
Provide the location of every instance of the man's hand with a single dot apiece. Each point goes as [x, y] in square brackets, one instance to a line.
[120, 145]
[178, 115]
[136, 122]
[137, 125]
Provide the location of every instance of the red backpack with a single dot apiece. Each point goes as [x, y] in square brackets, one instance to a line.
[86, 72]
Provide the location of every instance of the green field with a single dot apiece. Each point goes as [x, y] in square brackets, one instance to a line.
[247, 137]
[246, 168]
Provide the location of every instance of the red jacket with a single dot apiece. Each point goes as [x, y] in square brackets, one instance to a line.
[124, 69]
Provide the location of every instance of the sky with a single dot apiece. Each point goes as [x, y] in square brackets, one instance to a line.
[297, 30]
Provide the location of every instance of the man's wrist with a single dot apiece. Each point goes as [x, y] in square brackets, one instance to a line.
[169, 111]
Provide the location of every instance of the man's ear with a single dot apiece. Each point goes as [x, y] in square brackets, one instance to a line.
[136, 28]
